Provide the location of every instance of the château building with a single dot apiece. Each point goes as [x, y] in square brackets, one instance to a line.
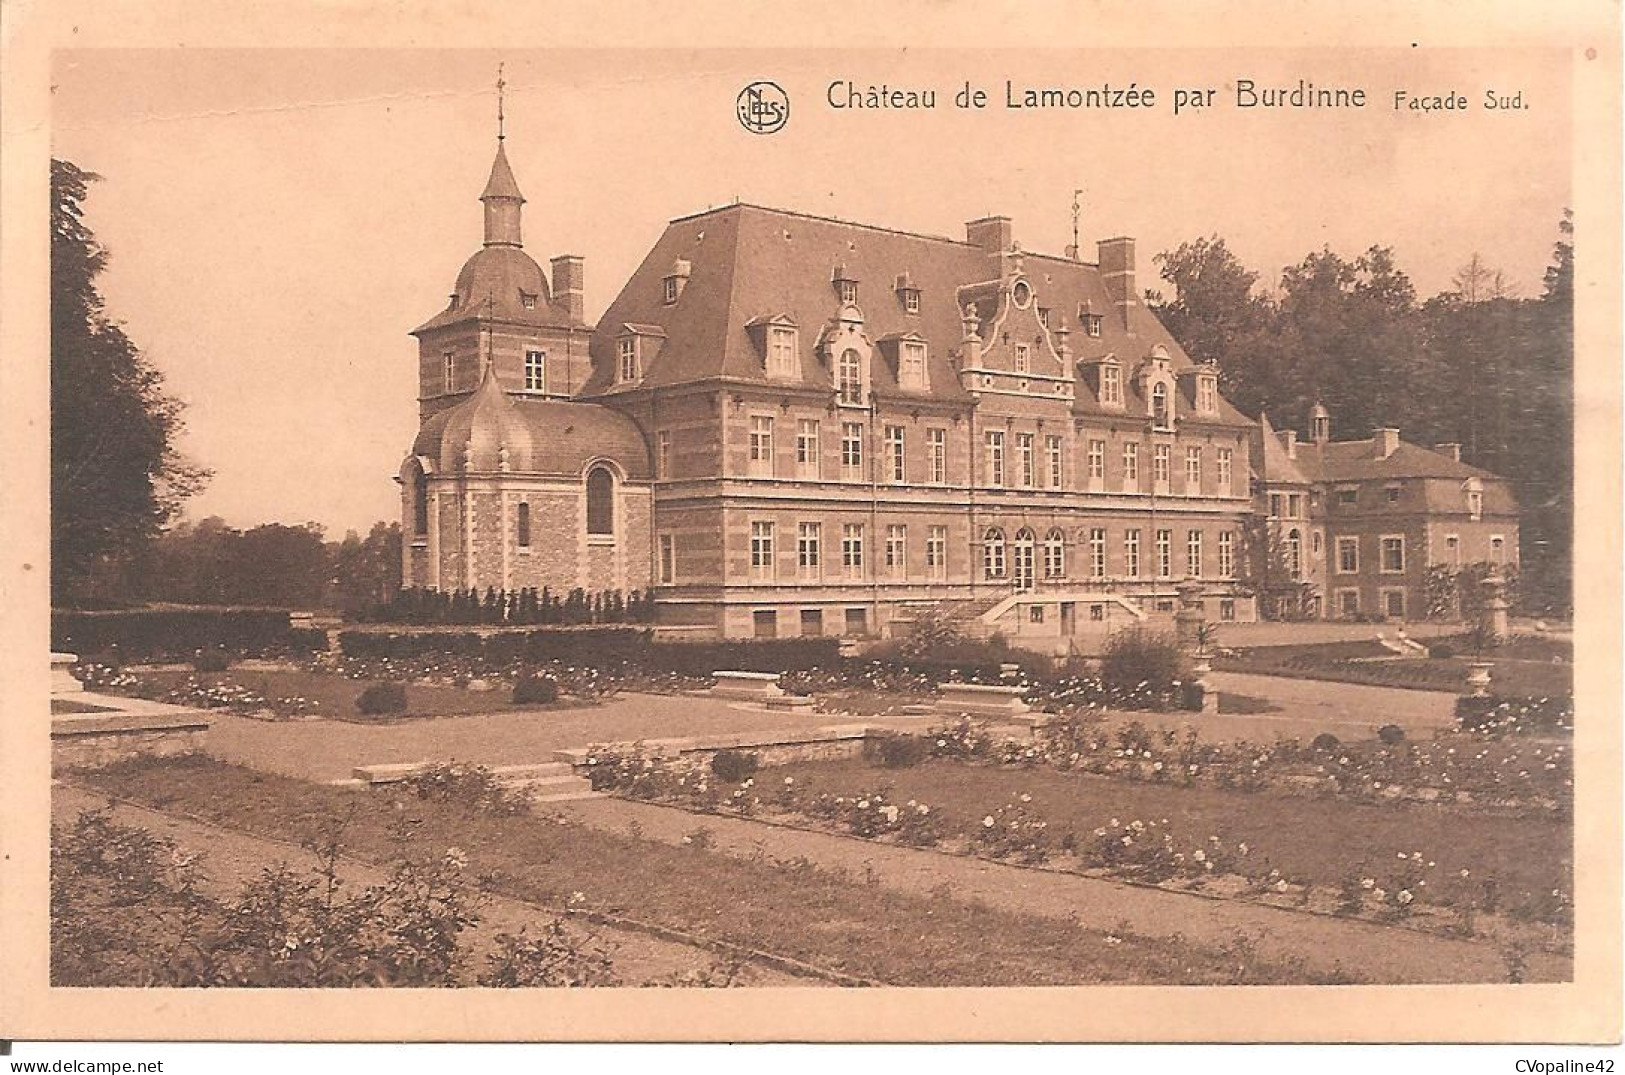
[787, 425]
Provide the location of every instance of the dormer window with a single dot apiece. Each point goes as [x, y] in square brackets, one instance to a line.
[672, 286]
[1092, 324]
[908, 294]
[1475, 498]
[782, 360]
[1159, 405]
[1043, 316]
[527, 300]
[1111, 384]
[1207, 394]
[849, 377]
[845, 286]
[911, 365]
[628, 367]
[670, 293]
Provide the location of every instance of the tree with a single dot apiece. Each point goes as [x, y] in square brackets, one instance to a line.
[116, 476]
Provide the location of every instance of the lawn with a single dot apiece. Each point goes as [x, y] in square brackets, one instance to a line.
[1309, 840]
[300, 693]
[1524, 667]
[793, 909]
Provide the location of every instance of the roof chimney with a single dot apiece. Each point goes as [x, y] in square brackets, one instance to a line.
[993, 234]
[1116, 258]
[1387, 442]
[1453, 450]
[569, 285]
[1289, 440]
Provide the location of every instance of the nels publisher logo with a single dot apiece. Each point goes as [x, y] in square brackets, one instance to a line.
[762, 107]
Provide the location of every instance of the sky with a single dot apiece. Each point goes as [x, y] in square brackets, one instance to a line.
[279, 220]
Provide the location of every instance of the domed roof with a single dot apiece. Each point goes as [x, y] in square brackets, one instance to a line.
[489, 432]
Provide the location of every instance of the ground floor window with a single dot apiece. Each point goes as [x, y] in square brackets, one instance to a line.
[1348, 602]
[766, 622]
[1227, 609]
[857, 621]
[1035, 614]
[1393, 604]
[1097, 613]
[812, 622]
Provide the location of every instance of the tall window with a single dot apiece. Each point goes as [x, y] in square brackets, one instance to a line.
[807, 447]
[912, 365]
[936, 552]
[761, 550]
[420, 502]
[1207, 395]
[993, 553]
[852, 451]
[1026, 465]
[995, 457]
[448, 372]
[522, 525]
[1294, 553]
[896, 550]
[782, 360]
[668, 559]
[1097, 460]
[852, 548]
[1475, 503]
[936, 450]
[1131, 465]
[1193, 554]
[761, 445]
[1165, 554]
[1227, 554]
[1193, 470]
[535, 370]
[663, 454]
[896, 454]
[1348, 555]
[600, 502]
[1021, 558]
[1024, 358]
[1159, 463]
[1159, 405]
[1054, 554]
[1097, 552]
[1111, 384]
[1131, 553]
[1054, 456]
[629, 358]
[1452, 548]
[848, 290]
[809, 549]
[1222, 460]
[1393, 554]
[849, 377]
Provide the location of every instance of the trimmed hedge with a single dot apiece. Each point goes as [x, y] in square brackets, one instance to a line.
[598, 647]
[148, 633]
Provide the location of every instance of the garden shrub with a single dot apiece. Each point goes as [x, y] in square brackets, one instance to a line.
[472, 787]
[1494, 714]
[1441, 650]
[1139, 659]
[735, 766]
[535, 690]
[1391, 734]
[170, 633]
[382, 698]
[895, 750]
[214, 659]
[1325, 742]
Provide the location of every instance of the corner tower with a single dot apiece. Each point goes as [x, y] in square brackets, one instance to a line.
[503, 311]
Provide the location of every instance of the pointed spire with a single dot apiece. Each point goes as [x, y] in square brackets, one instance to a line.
[502, 198]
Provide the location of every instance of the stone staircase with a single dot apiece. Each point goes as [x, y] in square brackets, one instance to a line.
[544, 782]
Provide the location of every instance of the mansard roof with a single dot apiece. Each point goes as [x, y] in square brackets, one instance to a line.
[750, 263]
[1358, 460]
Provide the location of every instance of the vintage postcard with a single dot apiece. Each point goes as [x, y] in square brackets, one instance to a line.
[1006, 528]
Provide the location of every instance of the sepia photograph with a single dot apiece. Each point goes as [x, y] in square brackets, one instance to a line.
[729, 520]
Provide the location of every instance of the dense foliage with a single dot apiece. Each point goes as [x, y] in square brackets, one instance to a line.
[1477, 365]
[132, 634]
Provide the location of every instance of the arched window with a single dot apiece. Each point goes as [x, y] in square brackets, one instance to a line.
[524, 526]
[1054, 554]
[1294, 554]
[1022, 558]
[420, 502]
[993, 553]
[849, 377]
[1159, 405]
[600, 502]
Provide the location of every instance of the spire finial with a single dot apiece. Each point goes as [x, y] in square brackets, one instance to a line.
[501, 85]
[1077, 207]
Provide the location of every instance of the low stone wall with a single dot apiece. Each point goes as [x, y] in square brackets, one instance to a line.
[830, 743]
[98, 741]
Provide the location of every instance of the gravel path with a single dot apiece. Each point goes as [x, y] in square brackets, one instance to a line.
[234, 858]
[1311, 706]
[1372, 952]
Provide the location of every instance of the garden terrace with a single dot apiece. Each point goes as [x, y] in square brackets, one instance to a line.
[790, 908]
[1525, 667]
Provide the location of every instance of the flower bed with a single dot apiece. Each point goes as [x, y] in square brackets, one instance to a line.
[1339, 860]
[1514, 671]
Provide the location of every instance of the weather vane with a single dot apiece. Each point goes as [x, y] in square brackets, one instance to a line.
[501, 85]
[1077, 207]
